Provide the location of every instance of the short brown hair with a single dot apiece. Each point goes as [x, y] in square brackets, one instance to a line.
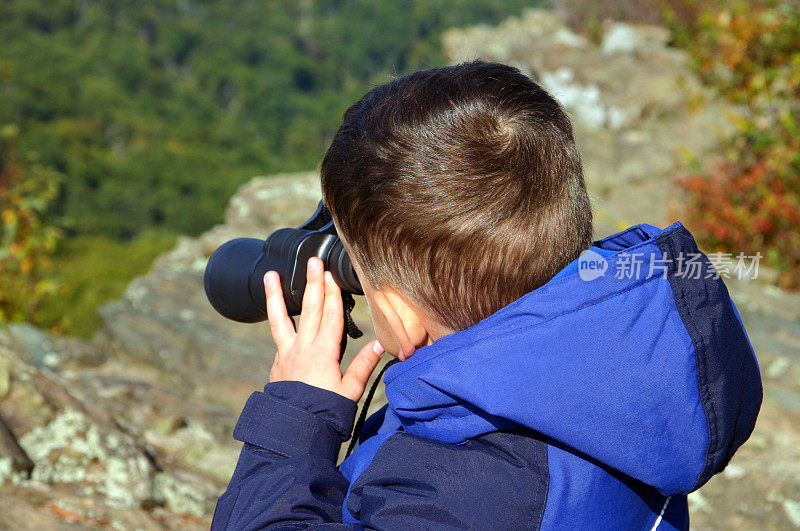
[461, 187]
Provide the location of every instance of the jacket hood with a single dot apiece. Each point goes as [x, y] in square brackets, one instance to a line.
[649, 372]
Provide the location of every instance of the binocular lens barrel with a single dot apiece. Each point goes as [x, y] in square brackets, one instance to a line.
[234, 274]
[227, 280]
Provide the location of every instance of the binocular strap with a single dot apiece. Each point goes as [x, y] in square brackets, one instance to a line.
[362, 417]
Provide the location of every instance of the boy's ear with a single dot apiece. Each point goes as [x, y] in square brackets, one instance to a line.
[403, 320]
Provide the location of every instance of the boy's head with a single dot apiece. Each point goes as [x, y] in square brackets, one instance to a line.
[456, 190]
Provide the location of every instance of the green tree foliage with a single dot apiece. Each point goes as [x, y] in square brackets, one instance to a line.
[93, 270]
[155, 111]
[27, 240]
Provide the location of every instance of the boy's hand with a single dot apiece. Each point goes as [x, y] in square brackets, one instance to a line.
[311, 353]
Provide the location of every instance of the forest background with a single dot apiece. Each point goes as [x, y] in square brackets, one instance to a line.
[126, 124]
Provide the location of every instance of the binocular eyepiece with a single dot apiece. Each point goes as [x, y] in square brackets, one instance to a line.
[234, 273]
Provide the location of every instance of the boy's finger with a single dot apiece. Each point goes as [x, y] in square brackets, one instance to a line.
[361, 368]
[311, 310]
[332, 325]
[280, 324]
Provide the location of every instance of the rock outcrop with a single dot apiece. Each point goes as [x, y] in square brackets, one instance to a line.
[638, 111]
[133, 429]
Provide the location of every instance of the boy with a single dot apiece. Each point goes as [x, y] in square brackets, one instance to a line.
[538, 387]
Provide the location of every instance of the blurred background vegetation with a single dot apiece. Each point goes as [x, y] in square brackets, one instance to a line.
[747, 52]
[124, 124]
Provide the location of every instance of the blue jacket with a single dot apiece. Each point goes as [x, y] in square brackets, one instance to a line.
[596, 401]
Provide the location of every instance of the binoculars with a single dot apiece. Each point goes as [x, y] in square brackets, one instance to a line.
[234, 273]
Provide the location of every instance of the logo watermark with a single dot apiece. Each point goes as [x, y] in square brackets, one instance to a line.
[696, 266]
[591, 265]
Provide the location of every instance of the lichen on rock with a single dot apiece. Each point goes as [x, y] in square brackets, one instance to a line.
[71, 449]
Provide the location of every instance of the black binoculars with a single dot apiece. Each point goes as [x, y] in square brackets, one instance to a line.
[234, 274]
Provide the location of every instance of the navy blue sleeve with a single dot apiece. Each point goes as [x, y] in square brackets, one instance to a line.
[286, 476]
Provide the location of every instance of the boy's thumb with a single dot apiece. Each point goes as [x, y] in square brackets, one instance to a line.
[361, 368]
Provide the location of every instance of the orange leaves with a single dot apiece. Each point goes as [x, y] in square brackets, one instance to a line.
[748, 207]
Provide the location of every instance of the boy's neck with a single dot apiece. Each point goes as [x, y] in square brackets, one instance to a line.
[435, 329]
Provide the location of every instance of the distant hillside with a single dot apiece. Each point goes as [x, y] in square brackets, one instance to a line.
[155, 111]
[150, 114]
